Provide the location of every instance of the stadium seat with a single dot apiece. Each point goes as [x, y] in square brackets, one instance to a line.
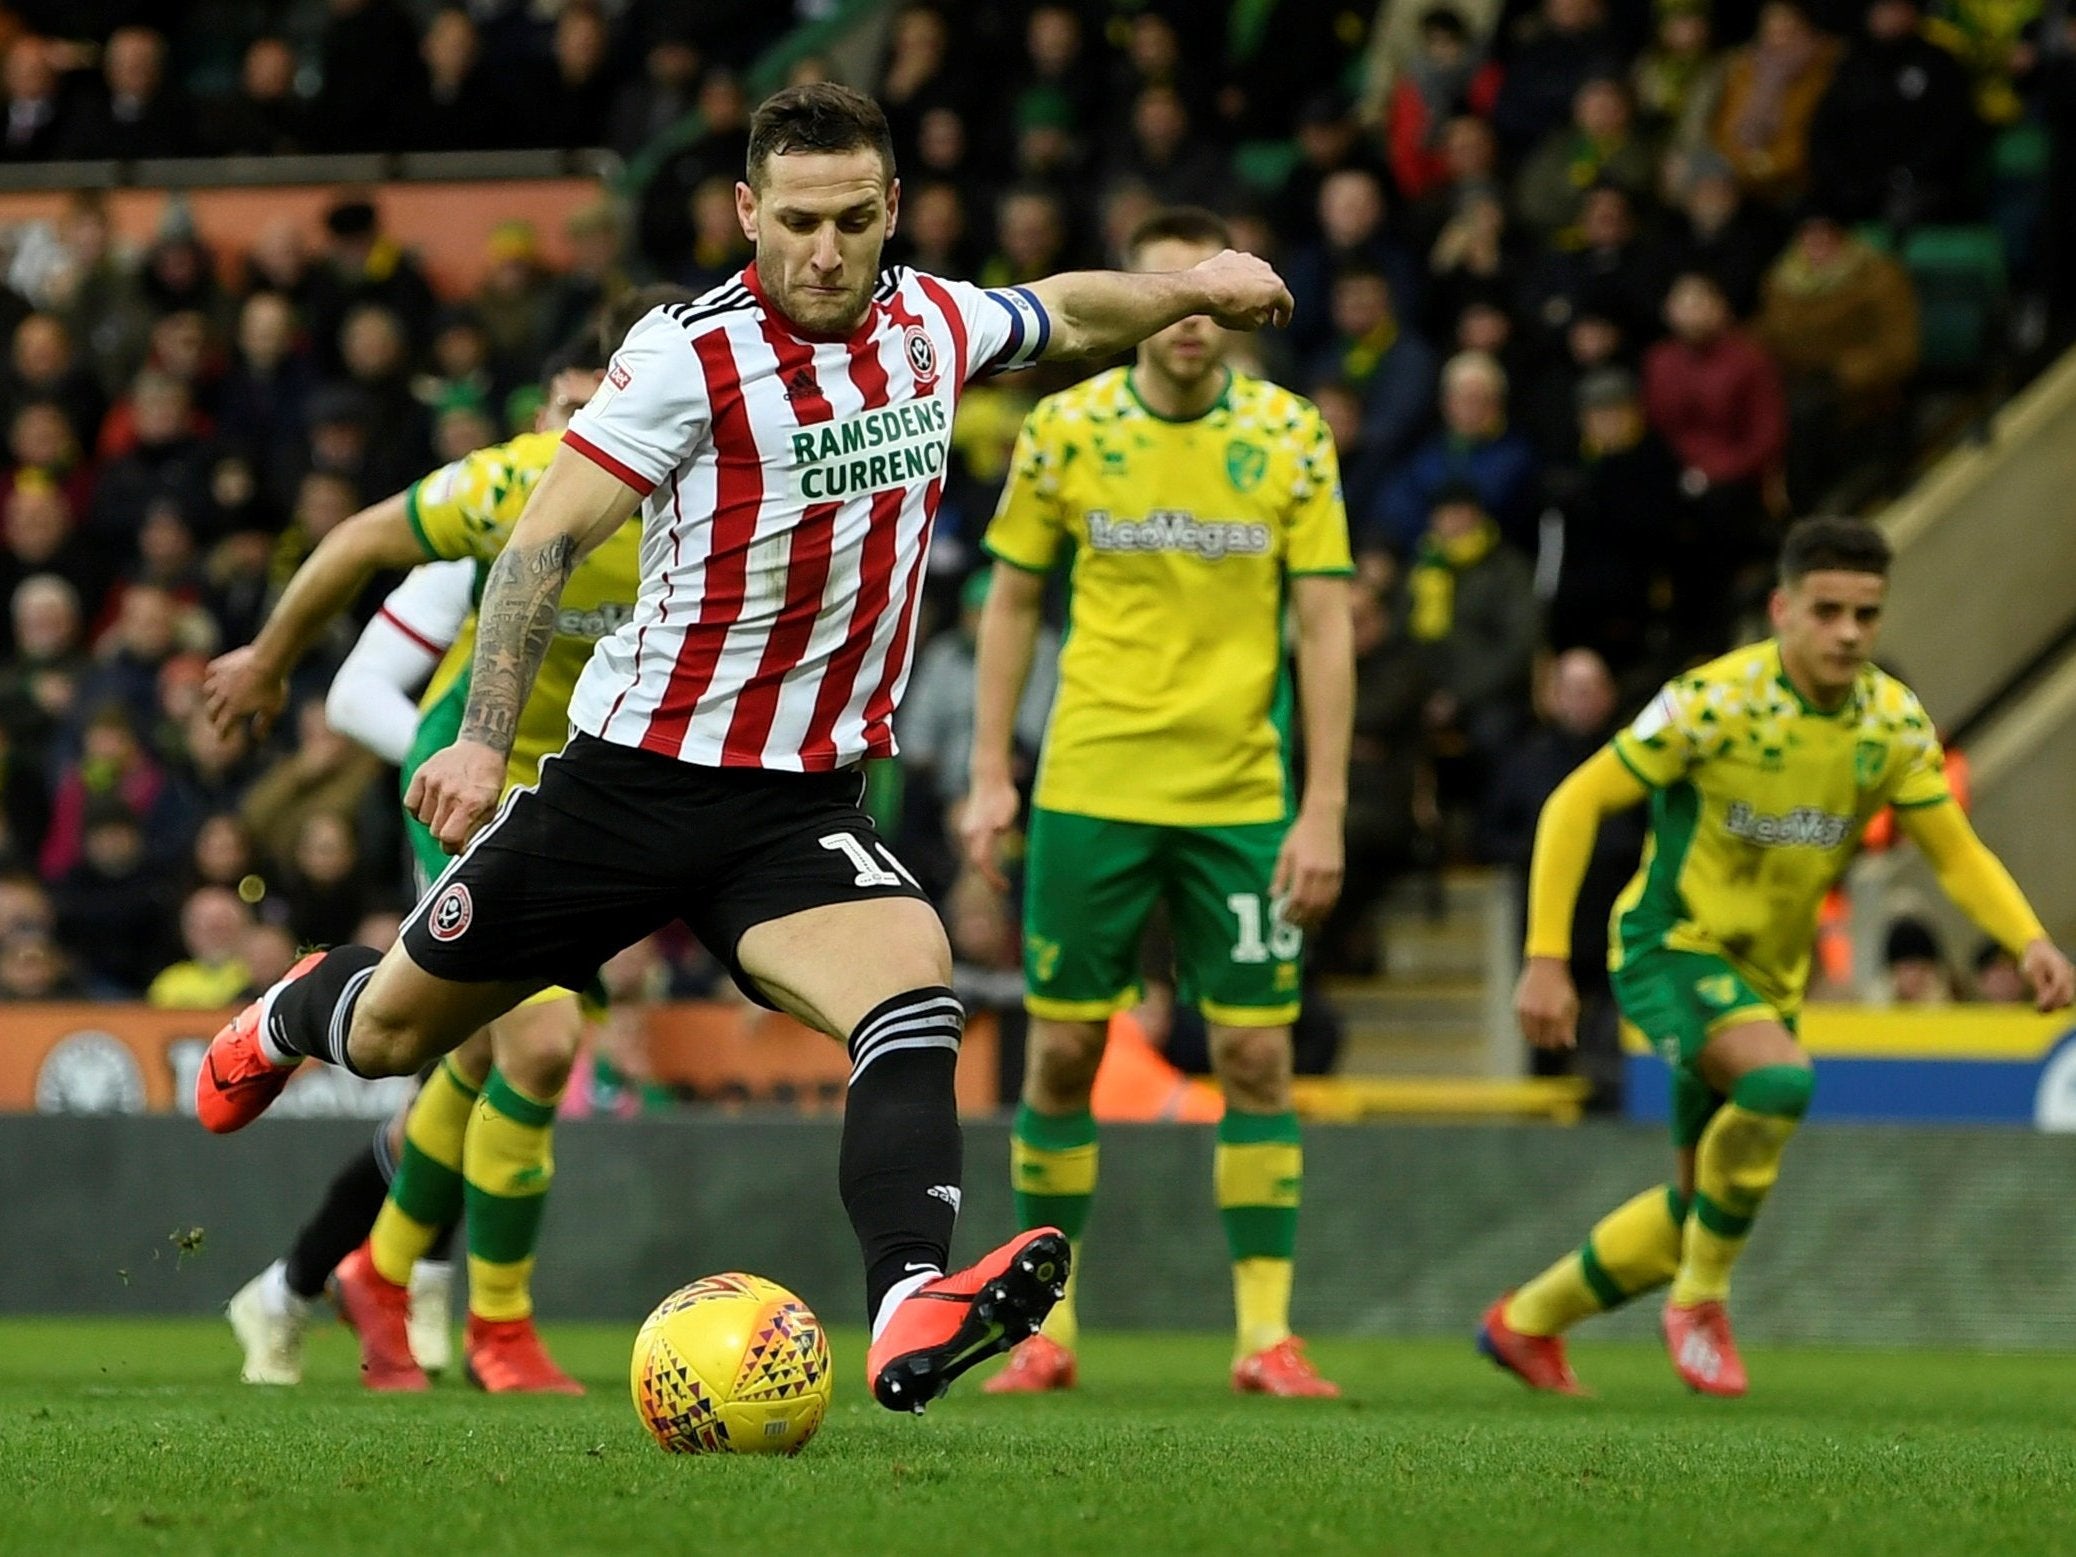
[1961, 289]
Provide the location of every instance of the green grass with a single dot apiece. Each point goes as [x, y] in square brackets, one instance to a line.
[134, 1437]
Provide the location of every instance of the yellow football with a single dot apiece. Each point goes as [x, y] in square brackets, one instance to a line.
[731, 1364]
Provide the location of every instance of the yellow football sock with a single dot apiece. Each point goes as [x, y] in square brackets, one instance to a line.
[426, 1193]
[1259, 1169]
[508, 1165]
[1052, 1172]
[1735, 1165]
[1632, 1249]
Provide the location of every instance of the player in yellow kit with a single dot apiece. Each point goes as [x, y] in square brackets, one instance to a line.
[1761, 769]
[478, 1134]
[1191, 505]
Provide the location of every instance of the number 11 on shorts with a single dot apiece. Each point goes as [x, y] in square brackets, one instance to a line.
[870, 872]
[1285, 939]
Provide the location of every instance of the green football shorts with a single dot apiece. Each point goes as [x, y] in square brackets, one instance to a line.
[1090, 884]
[1679, 1000]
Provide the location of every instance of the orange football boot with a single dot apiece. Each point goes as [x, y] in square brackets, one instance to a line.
[506, 1357]
[237, 1082]
[947, 1325]
[1703, 1352]
[1038, 1367]
[1536, 1360]
[380, 1312]
[1282, 1369]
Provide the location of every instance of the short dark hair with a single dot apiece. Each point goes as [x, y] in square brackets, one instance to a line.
[819, 116]
[1180, 224]
[1833, 543]
[591, 348]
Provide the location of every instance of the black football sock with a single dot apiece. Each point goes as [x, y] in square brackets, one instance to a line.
[341, 1223]
[900, 1164]
[313, 1015]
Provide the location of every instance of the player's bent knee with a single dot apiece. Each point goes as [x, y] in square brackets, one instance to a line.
[1062, 1062]
[471, 1061]
[1784, 1091]
[1253, 1066]
[536, 1046]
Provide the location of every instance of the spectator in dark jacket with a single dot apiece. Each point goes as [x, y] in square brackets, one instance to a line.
[456, 106]
[1469, 603]
[368, 57]
[1895, 137]
[1352, 233]
[137, 112]
[1578, 716]
[114, 913]
[1562, 46]
[264, 117]
[1716, 232]
[1474, 447]
[1383, 359]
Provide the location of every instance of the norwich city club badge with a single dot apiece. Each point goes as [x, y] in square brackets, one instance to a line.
[1869, 758]
[1245, 464]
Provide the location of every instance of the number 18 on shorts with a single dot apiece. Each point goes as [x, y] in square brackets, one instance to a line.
[1091, 884]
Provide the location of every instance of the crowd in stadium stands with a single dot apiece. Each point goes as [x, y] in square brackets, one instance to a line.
[1594, 294]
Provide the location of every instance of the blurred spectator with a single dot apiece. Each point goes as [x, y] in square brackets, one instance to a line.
[1389, 366]
[1555, 52]
[375, 347]
[1914, 965]
[137, 112]
[212, 973]
[1991, 40]
[264, 117]
[917, 75]
[1447, 78]
[596, 271]
[208, 773]
[268, 952]
[94, 293]
[718, 249]
[1603, 270]
[325, 772]
[112, 765]
[571, 103]
[1474, 448]
[24, 802]
[512, 302]
[1714, 395]
[1030, 239]
[1997, 977]
[1771, 88]
[460, 371]
[1603, 534]
[1598, 149]
[1841, 319]
[1469, 603]
[664, 222]
[159, 452]
[1163, 154]
[1547, 412]
[1713, 231]
[361, 265]
[42, 364]
[934, 231]
[32, 967]
[113, 912]
[325, 499]
[1578, 713]
[42, 539]
[24, 902]
[662, 95]
[1328, 140]
[1895, 138]
[988, 965]
[1352, 233]
[45, 118]
[39, 681]
[368, 61]
[266, 395]
[456, 106]
[130, 654]
[223, 855]
[1386, 779]
[324, 888]
[41, 443]
[1060, 81]
[1678, 78]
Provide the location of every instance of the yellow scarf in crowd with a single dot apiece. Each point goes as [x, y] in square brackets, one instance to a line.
[1431, 584]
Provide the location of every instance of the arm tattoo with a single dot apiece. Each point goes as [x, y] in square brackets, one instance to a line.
[514, 624]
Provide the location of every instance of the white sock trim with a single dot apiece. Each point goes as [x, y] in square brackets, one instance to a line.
[898, 1294]
[275, 1295]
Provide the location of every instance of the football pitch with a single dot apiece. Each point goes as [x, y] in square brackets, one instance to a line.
[134, 1436]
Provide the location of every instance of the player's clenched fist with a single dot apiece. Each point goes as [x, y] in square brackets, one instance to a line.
[1546, 1004]
[2048, 971]
[455, 790]
[1242, 291]
[240, 686]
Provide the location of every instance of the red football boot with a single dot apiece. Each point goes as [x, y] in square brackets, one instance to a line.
[1536, 1360]
[945, 1326]
[1282, 1369]
[506, 1357]
[380, 1312]
[1038, 1367]
[1703, 1352]
[237, 1081]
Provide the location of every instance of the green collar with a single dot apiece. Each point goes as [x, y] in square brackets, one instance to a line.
[1780, 674]
[1223, 402]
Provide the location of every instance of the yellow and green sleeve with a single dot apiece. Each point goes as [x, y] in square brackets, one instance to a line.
[1604, 783]
[1973, 877]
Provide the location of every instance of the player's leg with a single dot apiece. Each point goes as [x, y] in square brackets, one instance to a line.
[508, 1166]
[565, 875]
[1243, 962]
[1089, 885]
[1755, 1065]
[423, 1204]
[1635, 1248]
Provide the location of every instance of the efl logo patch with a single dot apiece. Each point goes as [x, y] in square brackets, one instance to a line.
[922, 353]
[618, 376]
[450, 916]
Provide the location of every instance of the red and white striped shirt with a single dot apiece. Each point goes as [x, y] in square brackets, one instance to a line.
[790, 484]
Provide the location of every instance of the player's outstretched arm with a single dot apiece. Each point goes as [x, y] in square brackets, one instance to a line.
[251, 683]
[1982, 889]
[1545, 1001]
[577, 505]
[1310, 866]
[1096, 313]
[1009, 623]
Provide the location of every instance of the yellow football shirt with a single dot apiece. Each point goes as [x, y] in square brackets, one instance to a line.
[1179, 537]
[1758, 801]
[468, 509]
